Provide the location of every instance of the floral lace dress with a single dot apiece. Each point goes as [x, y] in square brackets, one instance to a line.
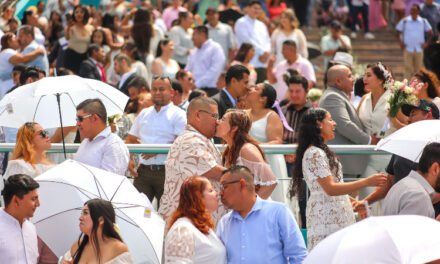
[325, 214]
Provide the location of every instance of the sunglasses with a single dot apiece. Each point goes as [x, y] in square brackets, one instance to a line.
[43, 133]
[81, 118]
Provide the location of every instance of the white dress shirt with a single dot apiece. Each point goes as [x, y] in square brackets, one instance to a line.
[106, 151]
[413, 32]
[255, 32]
[152, 127]
[18, 244]
[206, 64]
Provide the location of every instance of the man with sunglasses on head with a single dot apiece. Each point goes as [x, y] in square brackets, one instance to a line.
[18, 236]
[99, 147]
[160, 123]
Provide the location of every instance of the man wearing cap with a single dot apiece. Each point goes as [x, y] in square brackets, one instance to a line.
[399, 167]
[221, 33]
[333, 42]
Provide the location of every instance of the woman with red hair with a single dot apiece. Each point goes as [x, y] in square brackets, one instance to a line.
[191, 238]
[29, 156]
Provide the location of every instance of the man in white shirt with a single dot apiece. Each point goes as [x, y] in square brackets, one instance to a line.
[99, 147]
[413, 194]
[412, 30]
[206, 62]
[249, 29]
[292, 60]
[157, 124]
[221, 33]
[333, 42]
[18, 236]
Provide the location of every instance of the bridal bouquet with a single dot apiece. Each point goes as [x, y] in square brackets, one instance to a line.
[401, 94]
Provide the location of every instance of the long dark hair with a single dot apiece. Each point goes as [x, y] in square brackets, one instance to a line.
[142, 30]
[243, 51]
[309, 134]
[243, 122]
[270, 93]
[162, 42]
[98, 208]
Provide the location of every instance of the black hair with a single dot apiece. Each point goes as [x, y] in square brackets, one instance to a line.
[359, 87]
[162, 42]
[18, 185]
[237, 72]
[108, 21]
[292, 76]
[25, 15]
[29, 73]
[98, 209]
[309, 134]
[92, 48]
[202, 29]
[290, 43]
[94, 106]
[177, 86]
[381, 71]
[138, 82]
[86, 14]
[270, 93]
[195, 94]
[430, 155]
[254, 2]
[64, 71]
[243, 51]
[142, 30]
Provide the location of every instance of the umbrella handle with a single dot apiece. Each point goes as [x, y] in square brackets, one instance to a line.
[58, 95]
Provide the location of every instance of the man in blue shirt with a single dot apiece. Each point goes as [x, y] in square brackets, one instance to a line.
[257, 230]
[26, 39]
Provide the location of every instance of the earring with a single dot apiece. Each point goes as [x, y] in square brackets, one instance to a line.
[320, 127]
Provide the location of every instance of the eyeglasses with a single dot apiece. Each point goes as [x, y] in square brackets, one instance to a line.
[43, 133]
[213, 115]
[81, 118]
[226, 183]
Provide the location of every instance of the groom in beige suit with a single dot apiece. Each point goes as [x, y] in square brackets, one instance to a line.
[349, 129]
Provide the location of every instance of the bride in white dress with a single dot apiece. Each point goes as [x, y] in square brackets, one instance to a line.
[100, 241]
[267, 128]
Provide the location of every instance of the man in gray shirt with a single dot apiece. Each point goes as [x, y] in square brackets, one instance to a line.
[413, 194]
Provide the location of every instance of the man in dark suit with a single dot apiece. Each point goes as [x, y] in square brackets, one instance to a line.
[122, 66]
[349, 129]
[93, 68]
[237, 84]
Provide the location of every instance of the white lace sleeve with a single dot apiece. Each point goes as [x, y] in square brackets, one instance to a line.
[315, 162]
[18, 167]
[263, 174]
[179, 245]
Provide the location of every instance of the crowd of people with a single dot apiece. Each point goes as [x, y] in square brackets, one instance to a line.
[238, 75]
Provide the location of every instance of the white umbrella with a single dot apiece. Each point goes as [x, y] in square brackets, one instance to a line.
[403, 239]
[63, 192]
[409, 141]
[37, 102]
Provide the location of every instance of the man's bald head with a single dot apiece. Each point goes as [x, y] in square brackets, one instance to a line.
[339, 76]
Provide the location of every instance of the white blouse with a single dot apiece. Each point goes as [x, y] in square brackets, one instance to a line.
[374, 119]
[185, 244]
[20, 166]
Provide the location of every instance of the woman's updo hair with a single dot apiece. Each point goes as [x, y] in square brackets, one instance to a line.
[381, 72]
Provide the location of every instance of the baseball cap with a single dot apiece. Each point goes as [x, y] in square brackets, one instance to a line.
[343, 58]
[422, 105]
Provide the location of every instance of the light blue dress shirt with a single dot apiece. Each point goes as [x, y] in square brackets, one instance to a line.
[41, 61]
[268, 234]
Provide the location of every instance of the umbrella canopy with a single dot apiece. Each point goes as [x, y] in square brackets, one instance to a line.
[409, 141]
[63, 192]
[313, 50]
[37, 102]
[404, 239]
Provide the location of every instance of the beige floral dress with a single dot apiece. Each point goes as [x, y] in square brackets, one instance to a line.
[325, 214]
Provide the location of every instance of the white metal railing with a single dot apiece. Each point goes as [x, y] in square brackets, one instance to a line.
[267, 148]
